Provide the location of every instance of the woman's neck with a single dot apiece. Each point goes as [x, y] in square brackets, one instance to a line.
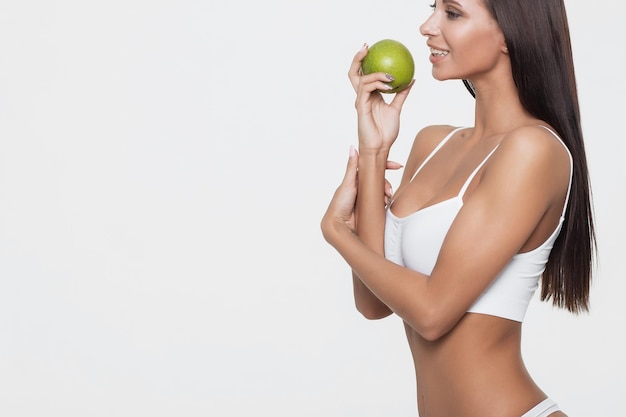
[500, 120]
[498, 107]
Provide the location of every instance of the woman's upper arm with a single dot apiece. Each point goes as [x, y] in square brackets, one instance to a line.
[525, 176]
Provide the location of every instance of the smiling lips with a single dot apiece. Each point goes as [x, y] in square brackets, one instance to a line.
[438, 52]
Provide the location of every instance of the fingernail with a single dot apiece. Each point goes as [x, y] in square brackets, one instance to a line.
[352, 151]
[390, 77]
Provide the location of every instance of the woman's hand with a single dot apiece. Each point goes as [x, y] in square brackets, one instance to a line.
[378, 122]
[388, 187]
[341, 207]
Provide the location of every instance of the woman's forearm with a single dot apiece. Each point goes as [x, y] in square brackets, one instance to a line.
[366, 302]
[400, 290]
[370, 226]
[370, 203]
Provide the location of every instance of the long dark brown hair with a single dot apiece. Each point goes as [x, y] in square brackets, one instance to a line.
[537, 37]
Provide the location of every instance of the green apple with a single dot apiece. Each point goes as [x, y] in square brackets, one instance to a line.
[391, 57]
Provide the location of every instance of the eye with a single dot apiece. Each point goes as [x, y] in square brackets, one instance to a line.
[452, 15]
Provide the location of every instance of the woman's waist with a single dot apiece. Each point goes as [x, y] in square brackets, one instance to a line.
[477, 342]
[486, 380]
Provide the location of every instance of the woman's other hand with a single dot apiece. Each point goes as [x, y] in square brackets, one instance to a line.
[341, 207]
[388, 187]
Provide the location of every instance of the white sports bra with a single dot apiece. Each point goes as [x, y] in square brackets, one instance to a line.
[414, 241]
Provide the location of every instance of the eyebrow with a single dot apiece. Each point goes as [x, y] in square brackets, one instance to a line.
[452, 1]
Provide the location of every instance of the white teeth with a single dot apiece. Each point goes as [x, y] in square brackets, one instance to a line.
[438, 52]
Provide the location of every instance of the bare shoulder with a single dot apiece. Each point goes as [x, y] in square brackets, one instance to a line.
[426, 140]
[433, 134]
[536, 142]
[535, 148]
[532, 159]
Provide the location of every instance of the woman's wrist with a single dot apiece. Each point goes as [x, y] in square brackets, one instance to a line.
[382, 153]
[375, 158]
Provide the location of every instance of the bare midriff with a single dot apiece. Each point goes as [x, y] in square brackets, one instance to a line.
[474, 370]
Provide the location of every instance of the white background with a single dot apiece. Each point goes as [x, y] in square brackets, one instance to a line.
[163, 169]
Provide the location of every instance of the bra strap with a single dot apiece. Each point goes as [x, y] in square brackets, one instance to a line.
[473, 174]
[571, 167]
[434, 151]
[571, 173]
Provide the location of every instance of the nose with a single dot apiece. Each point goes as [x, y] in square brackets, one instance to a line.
[430, 27]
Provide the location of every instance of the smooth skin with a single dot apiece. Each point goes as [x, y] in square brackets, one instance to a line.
[466, 364]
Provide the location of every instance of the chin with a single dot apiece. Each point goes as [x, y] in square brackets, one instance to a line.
[445, 77]
[439, 77]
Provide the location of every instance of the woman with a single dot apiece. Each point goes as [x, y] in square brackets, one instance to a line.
[481, 214]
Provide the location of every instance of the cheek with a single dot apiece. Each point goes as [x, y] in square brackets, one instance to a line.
[479, 49]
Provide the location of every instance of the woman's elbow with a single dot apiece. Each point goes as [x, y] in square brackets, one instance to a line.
[432, 333]
[430, 325]
[373, 312]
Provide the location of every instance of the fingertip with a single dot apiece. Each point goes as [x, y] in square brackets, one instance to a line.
[363, 51]
[354, 156]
